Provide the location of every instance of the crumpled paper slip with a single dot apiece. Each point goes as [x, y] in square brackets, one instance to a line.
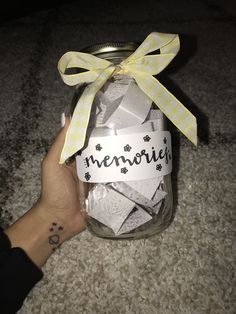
[151, 206]
[155, 209]
[148, 126]
[145, 127]
[158, 125]
[108, 99]
[132, 194]
[118, 88]
[133, 109]
[108, 206]
[136, 218]
[146, 187]
[158, 196]
[155, 114]
[157, 118]
[101, 103]
[102, 131]
[113, 106]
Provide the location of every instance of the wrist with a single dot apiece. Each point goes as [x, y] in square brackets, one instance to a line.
[73, 220]
[38, 234]
[55, 223]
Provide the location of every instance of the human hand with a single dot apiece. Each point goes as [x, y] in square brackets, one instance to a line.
[58, 214]
[62, 193]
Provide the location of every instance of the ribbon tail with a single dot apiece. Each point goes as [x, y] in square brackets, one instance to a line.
[174, 110]
[76, 133]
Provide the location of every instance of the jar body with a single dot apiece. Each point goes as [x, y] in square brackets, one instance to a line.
[152, 212]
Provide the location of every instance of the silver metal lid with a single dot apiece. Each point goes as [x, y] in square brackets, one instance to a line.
[112, 50]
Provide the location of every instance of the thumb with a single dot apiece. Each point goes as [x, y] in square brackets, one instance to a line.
[56, 148]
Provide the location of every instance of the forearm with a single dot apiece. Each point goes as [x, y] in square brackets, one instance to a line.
[37, 234]
[58, 214]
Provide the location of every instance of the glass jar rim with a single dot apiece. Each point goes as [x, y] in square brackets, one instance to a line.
[110, 50]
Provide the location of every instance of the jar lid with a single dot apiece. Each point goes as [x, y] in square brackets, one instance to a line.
[112, 50]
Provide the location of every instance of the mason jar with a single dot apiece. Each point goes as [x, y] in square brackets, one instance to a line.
[140, 217]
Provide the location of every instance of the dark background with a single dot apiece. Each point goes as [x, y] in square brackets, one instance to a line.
[15, 9]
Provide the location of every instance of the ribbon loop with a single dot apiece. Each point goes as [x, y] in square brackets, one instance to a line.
[81, 60]
[138, 65]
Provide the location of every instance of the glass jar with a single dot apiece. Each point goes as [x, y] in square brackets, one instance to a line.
[161, 217]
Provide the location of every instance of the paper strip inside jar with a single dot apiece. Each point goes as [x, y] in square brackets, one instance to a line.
[139, 198]
[145, 187]
[132, 194]
[158, 196]
[145, 127]
[155, 209]
[132, 110]
[136, 218]
[101, 103]
[109, 98]
[157, 118]
[108, 206]
[118, 87]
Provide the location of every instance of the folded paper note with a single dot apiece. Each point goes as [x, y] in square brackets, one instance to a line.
[159, 195]
[132, 194]
[156, 117]
[137, 197]
[155, 209]
[112, 110]
[101, 103]
[145, 127]
[136, 218]
[132, 110]
[113, 91]
[110, 208]
[146, 187]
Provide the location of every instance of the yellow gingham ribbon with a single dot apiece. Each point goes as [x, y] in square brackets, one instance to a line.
[138, 65]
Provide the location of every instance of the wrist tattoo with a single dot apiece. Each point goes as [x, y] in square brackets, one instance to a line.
[54, 238]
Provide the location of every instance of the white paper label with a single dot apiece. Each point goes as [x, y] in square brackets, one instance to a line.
[125, 157]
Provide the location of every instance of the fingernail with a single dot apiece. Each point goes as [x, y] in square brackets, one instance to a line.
[63, 119]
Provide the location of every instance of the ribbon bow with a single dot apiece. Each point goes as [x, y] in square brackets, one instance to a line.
[138, 65]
